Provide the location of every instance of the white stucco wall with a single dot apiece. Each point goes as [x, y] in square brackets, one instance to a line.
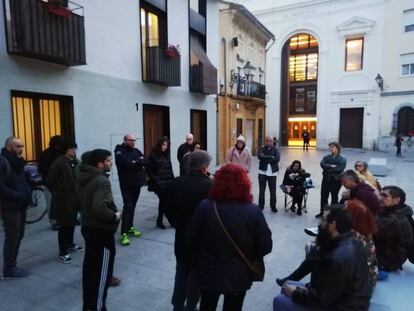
[336, 88]
[106, 90]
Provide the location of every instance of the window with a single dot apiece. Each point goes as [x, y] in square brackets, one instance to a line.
[38, 117]
[239, 127]
[407, 64]
[302, 100]
[303, 67]
[198, 6]
[303, 41]
[354, 54]
[405, 121]
[153, 33]
[408, 20]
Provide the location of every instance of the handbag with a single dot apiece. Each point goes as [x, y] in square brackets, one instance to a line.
[257, 268]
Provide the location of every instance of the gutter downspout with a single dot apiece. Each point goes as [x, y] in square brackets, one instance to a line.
[224, 42]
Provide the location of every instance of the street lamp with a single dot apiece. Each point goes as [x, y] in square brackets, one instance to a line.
[247, 69]
[380, 81]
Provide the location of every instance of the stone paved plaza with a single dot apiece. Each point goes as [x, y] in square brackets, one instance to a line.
[147, 266]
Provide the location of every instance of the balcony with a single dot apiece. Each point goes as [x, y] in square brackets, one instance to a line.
[160, 68]
[46, 31]
[251, 89]
[203, 79]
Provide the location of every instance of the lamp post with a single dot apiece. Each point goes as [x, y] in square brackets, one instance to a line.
[236, 77]
[380, 81]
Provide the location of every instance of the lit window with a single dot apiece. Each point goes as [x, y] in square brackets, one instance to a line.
[38, 117]
[354, 54]
[303, 67]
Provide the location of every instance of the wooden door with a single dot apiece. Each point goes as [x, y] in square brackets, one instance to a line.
[199, 126]
[250, 135]
[351, 127]
[156, 125]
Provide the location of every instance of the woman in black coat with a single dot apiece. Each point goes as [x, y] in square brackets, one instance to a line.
[293, 182]
[161, 174]
[219, 266]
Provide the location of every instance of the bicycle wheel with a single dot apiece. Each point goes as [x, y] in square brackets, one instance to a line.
[38, 209]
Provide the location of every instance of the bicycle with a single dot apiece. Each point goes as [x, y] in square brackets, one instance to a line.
[38, 207]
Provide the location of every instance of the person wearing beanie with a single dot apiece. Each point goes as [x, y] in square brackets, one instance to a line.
[240, 154]
[61, 182]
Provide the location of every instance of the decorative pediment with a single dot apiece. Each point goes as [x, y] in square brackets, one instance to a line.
[355, 26]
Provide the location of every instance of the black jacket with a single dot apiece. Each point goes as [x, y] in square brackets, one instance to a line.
[340, 280]
[182, 150]
[15, 193]
[46, 158]
[393, 237]
[334, 172]
[296, 181]
[219, 266]
[130, 164]
[161, 172]
[183, 195]
[268, 155]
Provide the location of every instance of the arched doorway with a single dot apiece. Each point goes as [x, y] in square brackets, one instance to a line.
[405, 121]
[299, 78]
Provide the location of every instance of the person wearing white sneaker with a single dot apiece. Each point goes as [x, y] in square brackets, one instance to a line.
[61, 182]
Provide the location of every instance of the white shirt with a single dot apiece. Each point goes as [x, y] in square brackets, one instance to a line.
[268, 172]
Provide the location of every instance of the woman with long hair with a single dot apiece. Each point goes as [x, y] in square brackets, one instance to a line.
[161, 174]
[293, 183]
[227, 236]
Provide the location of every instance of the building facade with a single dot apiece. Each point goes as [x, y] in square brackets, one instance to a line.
[242, 76]
[322, 70]
[93, 72]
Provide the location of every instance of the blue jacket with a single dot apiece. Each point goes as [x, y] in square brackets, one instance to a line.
[130, 164]
[219, 266]
[15, 193]
[336, 171]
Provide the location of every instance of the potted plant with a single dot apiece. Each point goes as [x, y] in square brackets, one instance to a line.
[58, 7]
[172, 51]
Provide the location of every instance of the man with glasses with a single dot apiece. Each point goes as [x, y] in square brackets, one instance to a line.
[130, 163]
[395, 231]
[15, 196]
[184, 148]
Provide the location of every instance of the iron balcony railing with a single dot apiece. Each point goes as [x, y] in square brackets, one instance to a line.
[251, 89]
[47, 30]
[161, 68]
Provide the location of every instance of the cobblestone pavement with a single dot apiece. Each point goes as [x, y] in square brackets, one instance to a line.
[147, 266]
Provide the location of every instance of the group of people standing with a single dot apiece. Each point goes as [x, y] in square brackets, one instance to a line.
[221, 236]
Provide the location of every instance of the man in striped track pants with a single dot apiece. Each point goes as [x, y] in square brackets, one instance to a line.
[100, 219]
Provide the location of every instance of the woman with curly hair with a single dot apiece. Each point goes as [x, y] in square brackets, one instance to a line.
[224, 226]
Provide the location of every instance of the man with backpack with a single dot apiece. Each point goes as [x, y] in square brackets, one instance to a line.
[395, 233]
[15, 196]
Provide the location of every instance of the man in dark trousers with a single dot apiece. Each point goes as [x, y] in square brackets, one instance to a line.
[15, 196]
[184, 148]
[61, 182]
[360, 190]
[183, 196]
[306, 139]
[130, 163]
[46, 158]
[100, 219]
[333, 165]
[269, 158]
[395, 231]
[340, 277]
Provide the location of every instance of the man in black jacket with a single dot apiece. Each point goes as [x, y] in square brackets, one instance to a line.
[269, 158]
[183, 195]
[395, 232]
[15, 196]
[130, 163]
[184, 148]
[340, 278]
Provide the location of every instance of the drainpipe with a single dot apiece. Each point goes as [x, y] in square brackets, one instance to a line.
[273, 42]
[224, 43]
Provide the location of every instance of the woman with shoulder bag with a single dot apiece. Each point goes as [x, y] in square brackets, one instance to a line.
[161, 174]
[229, 237]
